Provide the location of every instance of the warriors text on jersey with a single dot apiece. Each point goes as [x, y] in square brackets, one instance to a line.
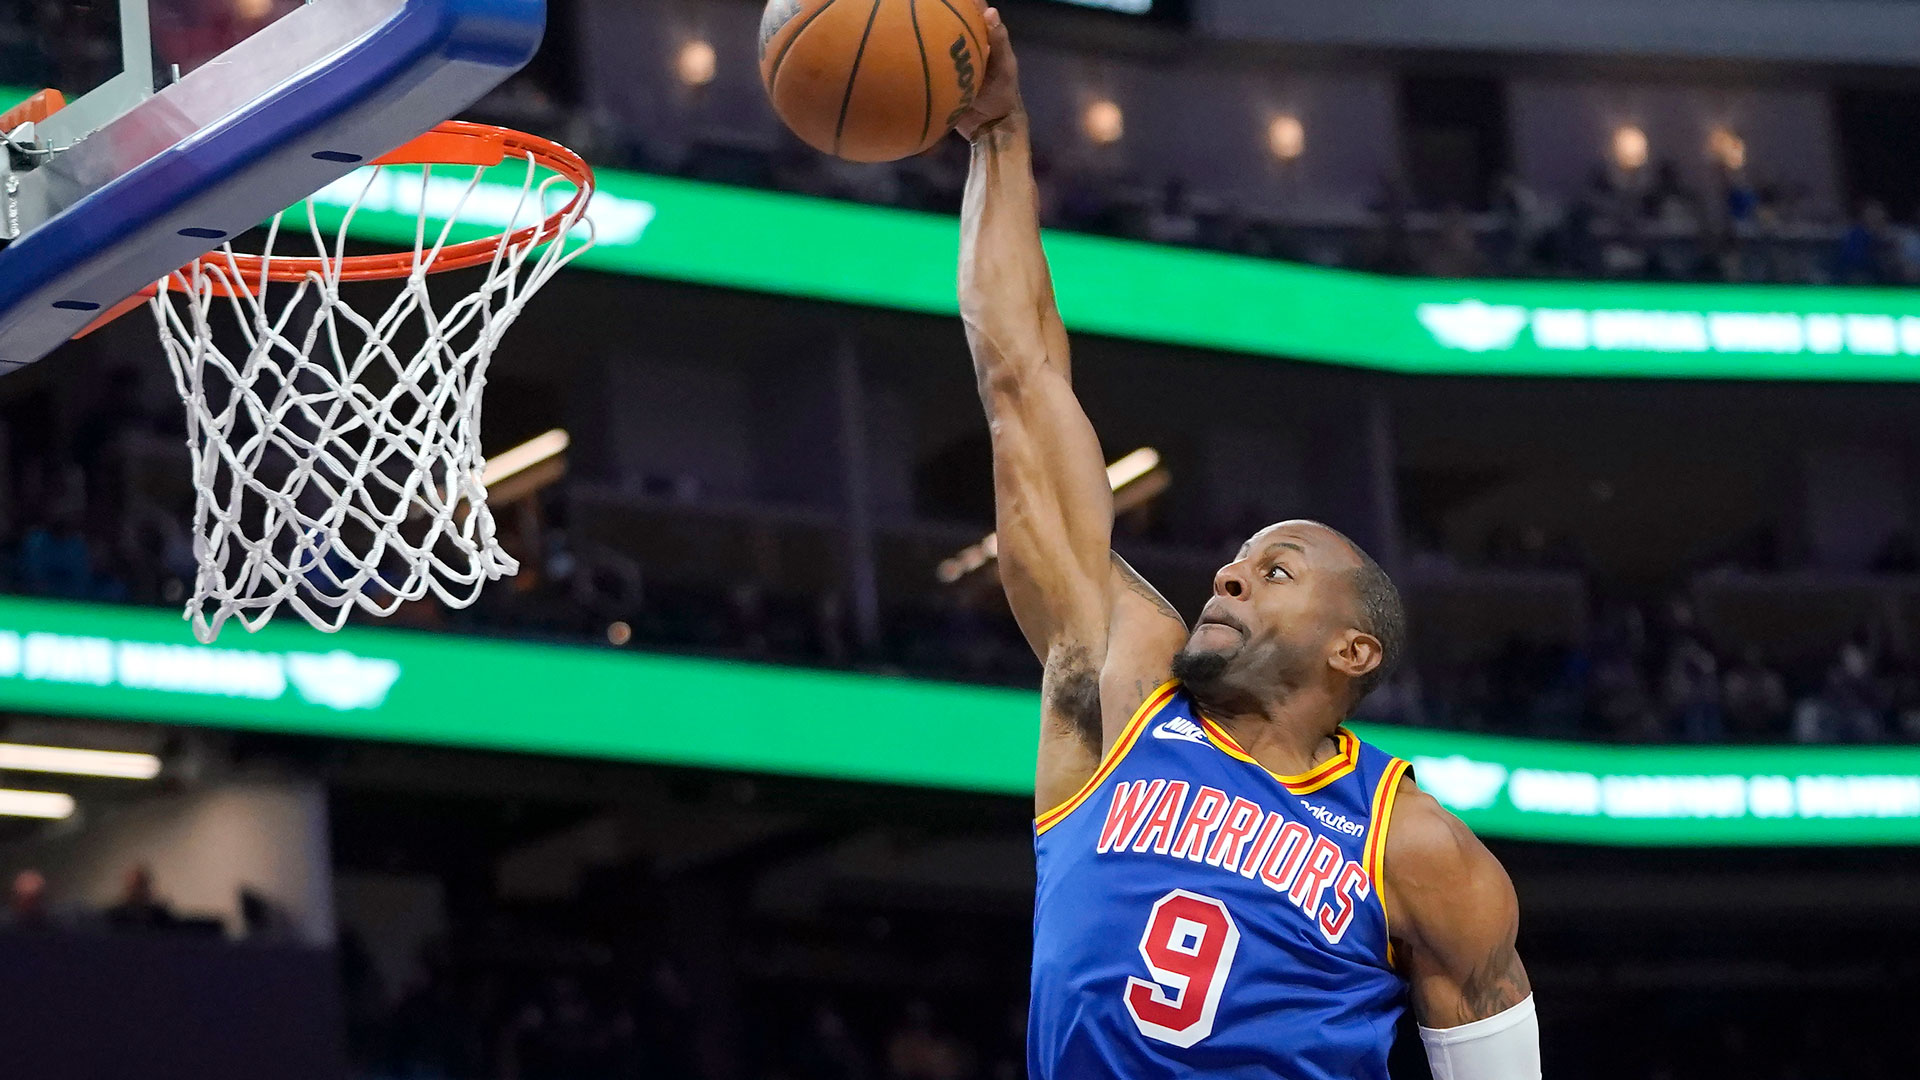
[1199, 915]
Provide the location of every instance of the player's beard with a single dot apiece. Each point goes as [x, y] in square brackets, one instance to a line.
[1201, 671]
[1243, 675]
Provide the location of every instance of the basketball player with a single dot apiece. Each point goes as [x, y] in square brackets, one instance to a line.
[1230, 883]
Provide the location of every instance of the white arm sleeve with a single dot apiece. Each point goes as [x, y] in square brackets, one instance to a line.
[1504, 1046]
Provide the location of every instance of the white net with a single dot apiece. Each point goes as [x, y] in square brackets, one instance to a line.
[336, 455]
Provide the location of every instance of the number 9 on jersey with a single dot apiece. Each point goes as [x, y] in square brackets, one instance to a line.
[1188, 946]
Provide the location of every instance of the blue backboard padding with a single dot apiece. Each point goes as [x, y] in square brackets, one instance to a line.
[429, 61]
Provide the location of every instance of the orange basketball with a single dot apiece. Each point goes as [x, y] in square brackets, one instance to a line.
[871, 80]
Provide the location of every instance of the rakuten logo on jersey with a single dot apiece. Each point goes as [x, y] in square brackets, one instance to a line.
[1337, 822]
[1238, 836]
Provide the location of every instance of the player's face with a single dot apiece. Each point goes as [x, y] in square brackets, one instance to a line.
[1278, 610]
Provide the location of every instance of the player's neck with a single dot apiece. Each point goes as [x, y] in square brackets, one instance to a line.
[1288, 736]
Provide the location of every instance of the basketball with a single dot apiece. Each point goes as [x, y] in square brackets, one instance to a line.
[871, 80]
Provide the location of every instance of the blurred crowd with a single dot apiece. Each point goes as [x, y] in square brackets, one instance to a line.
[138, 908]
[622, 982]
[542, 1012]
[1643, 679]
[77, 525]
[1644, 223]
[492, 1024]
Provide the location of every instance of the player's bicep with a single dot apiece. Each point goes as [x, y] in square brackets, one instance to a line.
[1457, 918]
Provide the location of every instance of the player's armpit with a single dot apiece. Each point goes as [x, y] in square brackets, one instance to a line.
[1453, 916]
[1089, 694]
[1071, 744]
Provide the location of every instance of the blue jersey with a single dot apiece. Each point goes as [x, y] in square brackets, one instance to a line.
[1199, 915]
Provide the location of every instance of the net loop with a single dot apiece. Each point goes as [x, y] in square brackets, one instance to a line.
[336, 451]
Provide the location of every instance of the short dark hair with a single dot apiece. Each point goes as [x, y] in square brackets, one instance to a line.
[1381, 614]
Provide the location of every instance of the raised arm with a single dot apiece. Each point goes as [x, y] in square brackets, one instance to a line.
[1103, 635]
[1454, 919]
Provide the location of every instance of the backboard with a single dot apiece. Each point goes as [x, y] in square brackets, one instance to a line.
[189, 121]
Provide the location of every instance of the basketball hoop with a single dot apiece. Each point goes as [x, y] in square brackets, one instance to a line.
[336, 454]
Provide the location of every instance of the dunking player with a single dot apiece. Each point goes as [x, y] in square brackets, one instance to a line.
[1230, 883]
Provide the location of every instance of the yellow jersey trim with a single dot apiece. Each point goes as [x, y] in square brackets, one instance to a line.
[1128, 736]
[1306, 783]
[1373, 859]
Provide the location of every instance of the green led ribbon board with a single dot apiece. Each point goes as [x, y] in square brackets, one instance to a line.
[820, 249]
[140, 664]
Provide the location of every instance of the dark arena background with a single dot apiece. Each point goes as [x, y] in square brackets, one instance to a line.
[1597, 322]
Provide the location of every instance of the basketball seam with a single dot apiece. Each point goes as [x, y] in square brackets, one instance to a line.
[853, 74]
[773, 73]
[967, 29]
[926, 69]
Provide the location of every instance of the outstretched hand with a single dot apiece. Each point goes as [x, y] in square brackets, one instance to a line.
[999, 93]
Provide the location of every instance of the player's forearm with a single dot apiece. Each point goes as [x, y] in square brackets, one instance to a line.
[1006, 291]
[1054, 513]
[1054, 508]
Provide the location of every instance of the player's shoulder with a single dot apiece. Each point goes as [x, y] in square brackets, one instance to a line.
[1434, 863]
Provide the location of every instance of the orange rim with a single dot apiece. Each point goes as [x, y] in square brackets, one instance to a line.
[453, 142]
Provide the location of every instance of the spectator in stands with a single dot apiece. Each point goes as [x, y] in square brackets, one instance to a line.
[1858, 694]
[138, 908]
[1389, 247]
[1172, 220]
[1623, 246]
[1521, 224]
[1720, 256]
[566, 1037]
[1742, 202]
[54, 558]
[1869, 249]
[1456, 251]
[1849, 705]
[1620, 701]
[1754, 698]
[1692, 690]
[1904, 702]
[1669, 202]
[27, 902]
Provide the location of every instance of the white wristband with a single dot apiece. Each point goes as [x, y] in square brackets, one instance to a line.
[1504, 1046]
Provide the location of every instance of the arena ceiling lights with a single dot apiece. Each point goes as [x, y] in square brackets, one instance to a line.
[45, 805]
[139, 664]
[70, 761]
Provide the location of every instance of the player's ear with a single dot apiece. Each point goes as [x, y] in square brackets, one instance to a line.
[1356, 653]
